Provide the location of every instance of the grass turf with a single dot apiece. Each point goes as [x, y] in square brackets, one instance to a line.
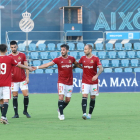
[116, 117]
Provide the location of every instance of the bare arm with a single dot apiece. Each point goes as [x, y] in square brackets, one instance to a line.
[99, 72]
[24, 67]
[45, 65]
[27, 72]
[76, 64]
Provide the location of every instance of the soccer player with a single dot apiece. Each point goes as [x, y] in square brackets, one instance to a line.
[19, 80]
[89, 63]
[6, 63]
[65, 77]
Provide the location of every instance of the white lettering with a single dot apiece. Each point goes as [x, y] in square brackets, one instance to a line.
[66, 66]
[114, 83]
[74, 82]
[89, 67]
[122, 82]
[134, 82]
[103, 83]
[128, 82]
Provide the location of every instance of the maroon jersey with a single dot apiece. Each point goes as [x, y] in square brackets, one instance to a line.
[6, 64]
[65, 75]
[89, 68]
[18, 74]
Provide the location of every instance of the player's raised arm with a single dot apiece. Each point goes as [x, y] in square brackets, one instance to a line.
[45, 65]
[24, 67]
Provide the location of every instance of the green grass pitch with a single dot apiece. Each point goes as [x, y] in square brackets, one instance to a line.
[116, 117]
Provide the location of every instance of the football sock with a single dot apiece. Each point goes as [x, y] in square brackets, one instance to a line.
[1, 105]
[15, 104]
[26, 102]
[60, 106]
[65, 104]
[92, 105]
[84, 104]
[5, 108]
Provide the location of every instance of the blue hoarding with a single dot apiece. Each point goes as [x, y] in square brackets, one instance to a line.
[108, 82]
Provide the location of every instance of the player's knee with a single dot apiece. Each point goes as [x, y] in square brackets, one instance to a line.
[15, 94]
[85, 95]
[93, 97]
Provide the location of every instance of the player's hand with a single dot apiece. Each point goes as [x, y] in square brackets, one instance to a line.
[94, 77]
[34, 68]
[27, 80]
[31, 69]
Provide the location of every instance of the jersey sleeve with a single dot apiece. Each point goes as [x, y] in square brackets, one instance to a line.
[98, 61]
[24, 58]
[80, 61]
[55, 60]
[14, 62]
[74, 59]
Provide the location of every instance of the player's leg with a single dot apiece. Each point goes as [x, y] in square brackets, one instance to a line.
[93, 93]
[6, 97]
[85, 91]
[1, 105]
[15, 88]
[1, 99]
[24, 89]
[61, 89]
[68, 93]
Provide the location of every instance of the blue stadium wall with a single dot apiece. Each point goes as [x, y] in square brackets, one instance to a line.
[98, 15]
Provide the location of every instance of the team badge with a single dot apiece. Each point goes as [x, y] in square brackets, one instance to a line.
[69, 61]
[91, 61]
[60, 91]
[19, 58]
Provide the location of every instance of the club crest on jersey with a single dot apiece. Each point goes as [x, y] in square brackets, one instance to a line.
[69, 61]
[91, 61]
[19, 58]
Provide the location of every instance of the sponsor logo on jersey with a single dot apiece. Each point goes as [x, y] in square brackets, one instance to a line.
[19, 58]
[94, 89]
[69, 61]
[89, 67]
[66, 66]
[92, 61]
[69, 90]
[15, 61]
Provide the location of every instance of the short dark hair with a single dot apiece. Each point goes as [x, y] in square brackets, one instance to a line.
[13, 43]
[65, 46]
[90, 47]
[3, 47]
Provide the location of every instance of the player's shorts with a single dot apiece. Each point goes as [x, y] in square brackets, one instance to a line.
[16, 85]
[92, 89]
[65, 89]
[5, 93]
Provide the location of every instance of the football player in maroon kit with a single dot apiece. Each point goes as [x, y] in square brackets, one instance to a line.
[89, 63]
[19, 80]
[65, 77]
[6, 63]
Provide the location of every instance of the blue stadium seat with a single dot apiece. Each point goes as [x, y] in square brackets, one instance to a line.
[99, 46]
[78, 70]
[136, 69]
[71, 46]
[115, 63]
[49, 71]
[39, 71]
[118, 46]
[44, 55]
[32, 47]
[118, 69]
[58, 46]
[109, 46]
[94, 53]
[46, 61]
[122, 54]
[134, 62]
[127, 70]
[131, 54]
[112, 54]
[21, 47]
[80, 46]
[36, 63]
[90, 44]
[125, 63]
[53, 55]
[51, 46]
[105, 63]
[137, 46]
[81, 54]
[107, 70]
[42, 47]
[128, 46]
[138, 54]
[102, 55]
[55, 66]
[34, 55]
[56, 70]
[74, 54]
